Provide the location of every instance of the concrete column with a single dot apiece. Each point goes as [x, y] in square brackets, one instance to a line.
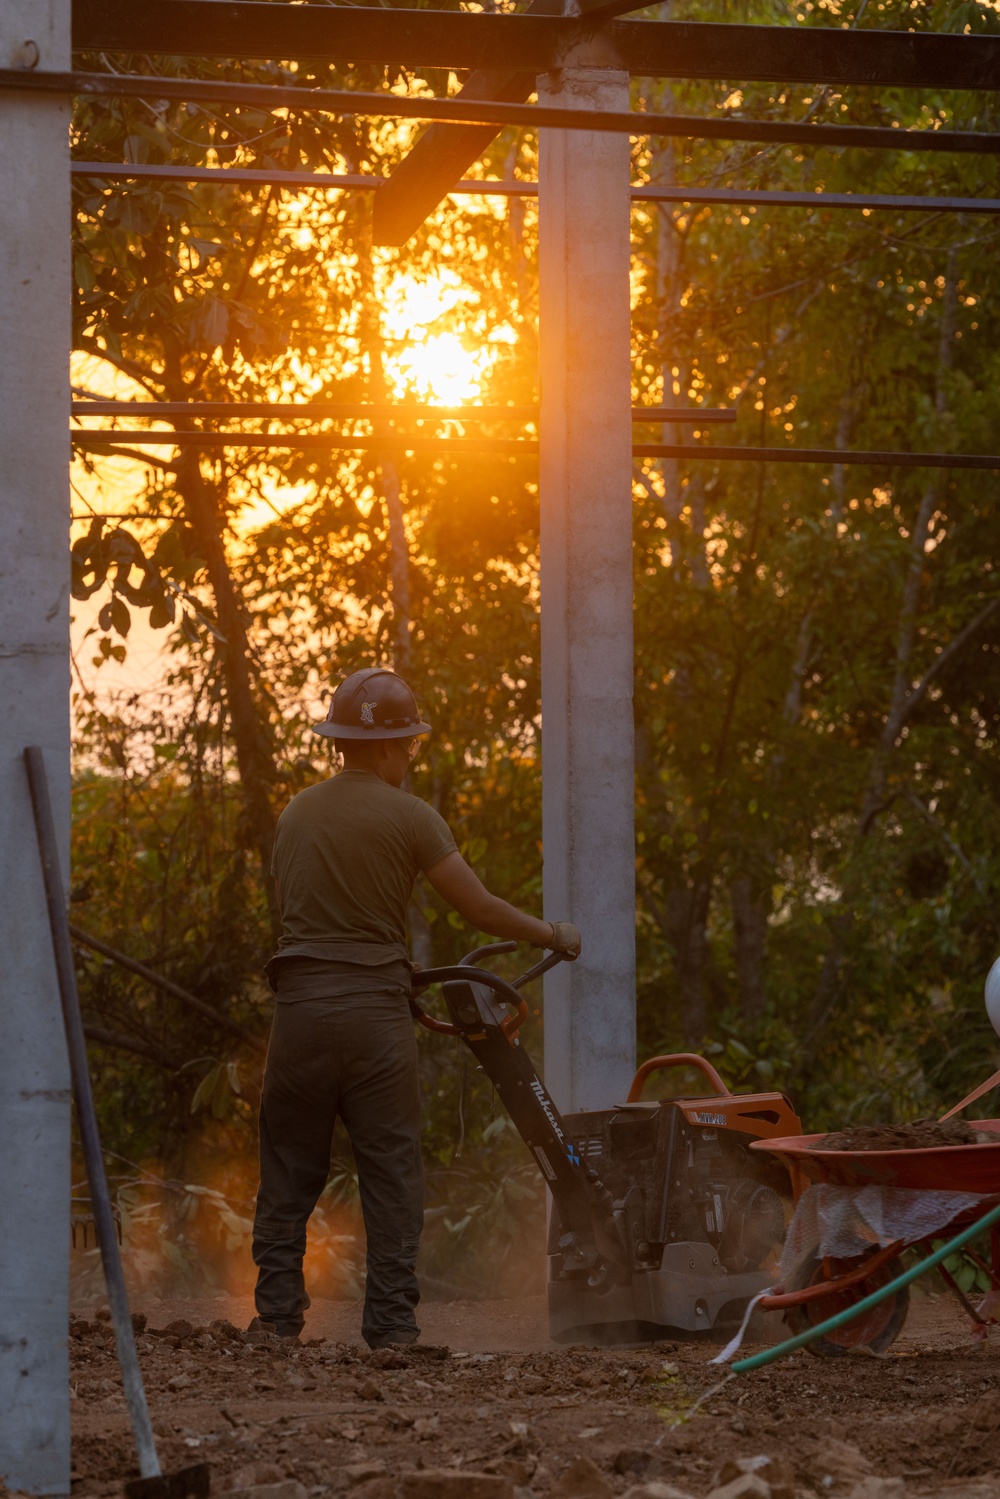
[34, 694]
[588, 793]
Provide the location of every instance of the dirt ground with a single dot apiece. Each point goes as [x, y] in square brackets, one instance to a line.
[489, 1394]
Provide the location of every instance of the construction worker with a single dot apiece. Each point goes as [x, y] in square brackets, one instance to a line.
[346, 856]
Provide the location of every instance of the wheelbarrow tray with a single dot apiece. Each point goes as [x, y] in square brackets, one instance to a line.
[940, 1168]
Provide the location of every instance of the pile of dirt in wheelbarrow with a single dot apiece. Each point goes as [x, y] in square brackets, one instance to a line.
[920, 1135]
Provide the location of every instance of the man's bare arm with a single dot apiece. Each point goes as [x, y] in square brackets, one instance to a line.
[461, 887]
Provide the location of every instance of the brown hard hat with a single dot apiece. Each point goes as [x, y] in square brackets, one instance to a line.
[372, 704]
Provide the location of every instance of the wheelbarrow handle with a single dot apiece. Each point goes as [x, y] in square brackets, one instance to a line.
[990, 1082]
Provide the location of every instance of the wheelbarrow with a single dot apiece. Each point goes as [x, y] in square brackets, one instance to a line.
[820, 1286]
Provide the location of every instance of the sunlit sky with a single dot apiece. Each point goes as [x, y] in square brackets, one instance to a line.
[425, 359]
[435, 365]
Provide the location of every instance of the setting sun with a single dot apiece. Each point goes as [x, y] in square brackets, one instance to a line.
[438, 368]
[434, 350]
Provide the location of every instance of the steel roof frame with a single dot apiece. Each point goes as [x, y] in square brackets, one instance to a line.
[537, 43]
[508, 52]
[527, 45]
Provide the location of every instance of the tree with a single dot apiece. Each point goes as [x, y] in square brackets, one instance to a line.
[816, 689]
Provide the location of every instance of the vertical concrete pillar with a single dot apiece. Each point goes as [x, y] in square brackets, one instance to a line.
[586, 589]
[34, 694]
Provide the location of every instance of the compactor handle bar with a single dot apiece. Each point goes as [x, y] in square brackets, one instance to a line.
[467, 971]
[679, 1059]
[498, 947]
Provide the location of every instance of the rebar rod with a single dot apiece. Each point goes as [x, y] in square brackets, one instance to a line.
[766, 198]
[818, 455]
[311, 410]
[513, 447]
[650, 192]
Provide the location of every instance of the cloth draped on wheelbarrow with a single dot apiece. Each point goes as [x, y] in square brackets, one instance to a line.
[846, 1221]
[843, 1222]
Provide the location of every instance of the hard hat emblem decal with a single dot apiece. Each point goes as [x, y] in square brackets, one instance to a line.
[373, 703]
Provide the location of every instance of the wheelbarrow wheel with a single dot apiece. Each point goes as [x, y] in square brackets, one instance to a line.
[875, 1330]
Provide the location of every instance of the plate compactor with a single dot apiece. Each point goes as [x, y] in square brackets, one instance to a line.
[662, 1221]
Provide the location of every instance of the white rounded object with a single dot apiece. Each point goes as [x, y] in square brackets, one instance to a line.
[993, 996]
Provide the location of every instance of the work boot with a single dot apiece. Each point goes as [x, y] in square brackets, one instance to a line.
[276, 1329]
[403, 1339]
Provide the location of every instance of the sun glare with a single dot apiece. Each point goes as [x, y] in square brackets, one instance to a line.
[425, 356]
[438, 369]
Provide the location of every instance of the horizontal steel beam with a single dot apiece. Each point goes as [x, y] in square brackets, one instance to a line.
[312, 410]
[759, 197]
[98, 442]
[514, 447]
[307, 410]
[395, 106]
[874, 459]
[537, 43]
[238, 176]
[651, 192]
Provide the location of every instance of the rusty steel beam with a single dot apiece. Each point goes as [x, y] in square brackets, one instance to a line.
[445, 152]
[535, 43]
[440, 158]
[94, 441]
[238, 176]
[193, 1002]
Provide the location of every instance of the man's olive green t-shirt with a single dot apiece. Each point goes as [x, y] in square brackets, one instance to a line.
[346, 854]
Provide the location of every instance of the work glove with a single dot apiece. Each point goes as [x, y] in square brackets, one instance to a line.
[565, 939]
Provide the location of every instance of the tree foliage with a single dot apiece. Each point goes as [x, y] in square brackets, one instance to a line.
[816, 648]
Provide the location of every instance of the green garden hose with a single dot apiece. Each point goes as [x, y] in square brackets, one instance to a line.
[768, 1355]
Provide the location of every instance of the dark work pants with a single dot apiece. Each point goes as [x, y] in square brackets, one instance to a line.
[354, 1056]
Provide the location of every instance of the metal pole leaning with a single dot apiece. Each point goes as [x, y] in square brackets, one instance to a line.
[194, 1480]
[131, 965]
[128, 1358]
